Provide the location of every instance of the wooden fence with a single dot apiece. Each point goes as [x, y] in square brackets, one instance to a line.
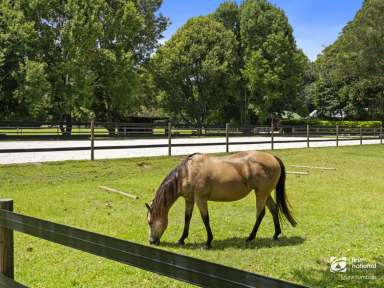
[308, 135]
[183, 268]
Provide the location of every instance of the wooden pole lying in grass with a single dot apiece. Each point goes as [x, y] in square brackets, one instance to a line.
[312, 167]
[119, 192]
[297, 173]
[6, 244]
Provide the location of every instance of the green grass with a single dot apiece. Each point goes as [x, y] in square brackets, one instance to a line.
[340, 213]
[50, 131]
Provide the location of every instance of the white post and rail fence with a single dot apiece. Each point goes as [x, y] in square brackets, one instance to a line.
[232, 136]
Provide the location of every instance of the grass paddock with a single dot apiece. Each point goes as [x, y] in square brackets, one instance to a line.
[339, 213]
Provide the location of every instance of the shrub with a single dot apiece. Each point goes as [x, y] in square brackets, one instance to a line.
[329, 123]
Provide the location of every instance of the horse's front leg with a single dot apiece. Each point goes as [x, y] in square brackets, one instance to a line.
[187, 219]
[203, 207]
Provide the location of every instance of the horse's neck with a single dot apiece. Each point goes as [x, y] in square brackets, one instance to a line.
[169, 201]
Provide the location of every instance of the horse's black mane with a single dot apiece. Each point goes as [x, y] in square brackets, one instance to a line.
[170, 187]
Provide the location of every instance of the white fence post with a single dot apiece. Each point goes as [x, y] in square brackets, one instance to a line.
[337, 135]
[272, 136]
[93, 139]
[361, 136]
[227, 137]
[169, 139]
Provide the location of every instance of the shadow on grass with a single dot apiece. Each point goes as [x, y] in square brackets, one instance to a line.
[239, 243]
[323, 277]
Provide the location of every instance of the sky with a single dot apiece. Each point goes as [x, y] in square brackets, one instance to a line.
[316, 23]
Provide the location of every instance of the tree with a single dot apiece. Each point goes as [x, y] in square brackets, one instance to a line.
[273, 65]
[82, 57]
[194, 71]
[23, 83]
[129, 34]
[353, 65]
[228, 13]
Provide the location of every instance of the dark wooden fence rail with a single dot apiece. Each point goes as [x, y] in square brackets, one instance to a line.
[183, 268]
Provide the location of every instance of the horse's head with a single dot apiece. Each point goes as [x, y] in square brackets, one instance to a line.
[157, 225]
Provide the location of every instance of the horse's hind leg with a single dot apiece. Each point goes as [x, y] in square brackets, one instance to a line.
[261, 199]
[188, 215]
[275, 214]
[203, 207]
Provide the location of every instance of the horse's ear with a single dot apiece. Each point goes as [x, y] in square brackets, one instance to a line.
[148, 207]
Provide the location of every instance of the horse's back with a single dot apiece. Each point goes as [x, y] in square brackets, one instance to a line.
[231, 178]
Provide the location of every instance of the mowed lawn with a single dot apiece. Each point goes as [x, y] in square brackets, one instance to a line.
[340, 213]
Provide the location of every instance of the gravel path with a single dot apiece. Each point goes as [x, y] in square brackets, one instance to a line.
[13, 158]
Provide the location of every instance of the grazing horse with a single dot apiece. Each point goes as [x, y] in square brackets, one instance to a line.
[201, 178]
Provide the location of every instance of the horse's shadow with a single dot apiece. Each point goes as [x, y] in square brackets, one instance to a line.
[240, 243]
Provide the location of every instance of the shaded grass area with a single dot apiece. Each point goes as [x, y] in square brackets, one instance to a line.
[340, 213]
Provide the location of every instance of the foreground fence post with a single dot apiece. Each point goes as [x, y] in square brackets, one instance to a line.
[227, 137]
[381, 134]
[93, 139]
[6, 244]
[169, 139]
[307, 135]
[337, 135]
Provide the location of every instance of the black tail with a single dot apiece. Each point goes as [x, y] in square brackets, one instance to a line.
[281, 198]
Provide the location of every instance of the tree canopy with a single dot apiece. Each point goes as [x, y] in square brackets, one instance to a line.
[350, 72]
[273, 65]
[75, 59]
[64, 59]
[261, 68]
[194, 70]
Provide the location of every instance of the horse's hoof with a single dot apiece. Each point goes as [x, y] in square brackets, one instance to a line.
[249, 239]
[181, 242]
[275, 237]
[207, 246]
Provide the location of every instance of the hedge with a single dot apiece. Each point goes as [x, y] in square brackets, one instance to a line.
[328, 123]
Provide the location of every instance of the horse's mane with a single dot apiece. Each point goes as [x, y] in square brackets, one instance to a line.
[169, 189]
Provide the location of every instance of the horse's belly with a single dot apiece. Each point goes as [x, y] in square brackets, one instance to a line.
[228, 192]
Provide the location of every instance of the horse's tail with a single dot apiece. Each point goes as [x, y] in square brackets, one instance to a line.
[281, 197]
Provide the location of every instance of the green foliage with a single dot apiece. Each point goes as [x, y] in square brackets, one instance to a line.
[17, 39]
[71, 59]
[353, 69]
[274, 66]
[264, 74]
[228, 14]
[194, 71]
[33, 89]
[329, 123]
